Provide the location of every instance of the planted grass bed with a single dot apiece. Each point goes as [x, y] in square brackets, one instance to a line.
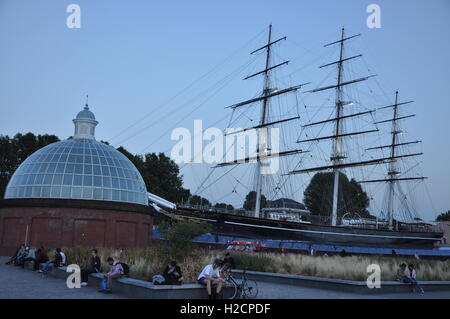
[144, 263]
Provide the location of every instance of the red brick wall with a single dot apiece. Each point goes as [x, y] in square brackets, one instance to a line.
[64, 226]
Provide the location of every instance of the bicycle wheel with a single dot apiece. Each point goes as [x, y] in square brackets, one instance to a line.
[250, 289]
[229, 290]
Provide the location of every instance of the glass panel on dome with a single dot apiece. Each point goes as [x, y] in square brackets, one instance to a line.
[113, 171]
[20, 191]
[76, 192]
[70, 168]
[39, 179]
[55, 191]
[28, 191]
[79, 159]
[98, 181]
[30, 179]
[48, 179]
[88, 169]
[97, 169]
[107, 194]
[65, 191]
[87, 180]
[71, 159]
[97, 193]
[115, 182]
[67, 179]
[115, 195]
[63, 158]
[43, 168]
[78, 169]
[78, 180]
[60, 168]
[36, 191]
[106, 171]
[57, 179]
[107, 182]
[45, 191]
[51, 168]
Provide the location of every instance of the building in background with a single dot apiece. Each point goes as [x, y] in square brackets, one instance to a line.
[76, 192]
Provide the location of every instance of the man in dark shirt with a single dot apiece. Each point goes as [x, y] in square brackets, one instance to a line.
[56, 262]
[95, 265]
[172, 274]
[41, 258]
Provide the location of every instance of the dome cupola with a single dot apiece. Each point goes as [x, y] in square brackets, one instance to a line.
[85, 124]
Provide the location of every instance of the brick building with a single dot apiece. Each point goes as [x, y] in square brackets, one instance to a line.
[76, 192]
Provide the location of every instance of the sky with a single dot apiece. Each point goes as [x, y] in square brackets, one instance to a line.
[152, 66]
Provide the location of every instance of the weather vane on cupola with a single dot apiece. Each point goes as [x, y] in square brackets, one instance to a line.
[85, 123]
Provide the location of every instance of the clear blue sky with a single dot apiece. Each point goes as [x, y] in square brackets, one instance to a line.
[131, 57]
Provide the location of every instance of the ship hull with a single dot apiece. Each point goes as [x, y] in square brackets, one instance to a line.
[257, 228]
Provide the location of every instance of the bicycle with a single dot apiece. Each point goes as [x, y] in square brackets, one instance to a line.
[245, 289]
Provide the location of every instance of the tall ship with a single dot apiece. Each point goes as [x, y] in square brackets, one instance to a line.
[338, 221]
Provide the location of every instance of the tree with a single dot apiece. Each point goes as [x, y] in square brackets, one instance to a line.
[318, 196]
[13, 151]
[179, 235]
[199, 201]
[250, 201]
[224, 206]
[160, 174]
[444, 217]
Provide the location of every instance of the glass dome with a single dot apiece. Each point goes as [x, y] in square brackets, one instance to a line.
[78, 168]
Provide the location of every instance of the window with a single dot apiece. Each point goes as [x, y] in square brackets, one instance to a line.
[78, 180]
[67, 179]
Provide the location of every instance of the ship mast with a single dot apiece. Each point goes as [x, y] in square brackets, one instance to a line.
[262, 132]
[393, 170]
[337, 157]
[263, 149]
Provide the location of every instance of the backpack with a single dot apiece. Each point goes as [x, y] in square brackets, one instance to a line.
[126, 269]
[158, 280]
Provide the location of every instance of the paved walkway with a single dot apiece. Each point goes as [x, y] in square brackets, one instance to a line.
[16, 282]
[277, 291]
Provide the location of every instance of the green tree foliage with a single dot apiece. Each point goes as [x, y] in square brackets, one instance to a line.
[250, 201]
[224, 206]
[444, 217]
[179, 235]
[160, 174]
[318, 196]
[198, 200]
[13, 151]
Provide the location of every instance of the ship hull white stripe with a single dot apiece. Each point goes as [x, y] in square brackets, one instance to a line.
[333, 233]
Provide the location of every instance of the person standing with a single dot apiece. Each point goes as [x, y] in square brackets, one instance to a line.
[94, 267]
